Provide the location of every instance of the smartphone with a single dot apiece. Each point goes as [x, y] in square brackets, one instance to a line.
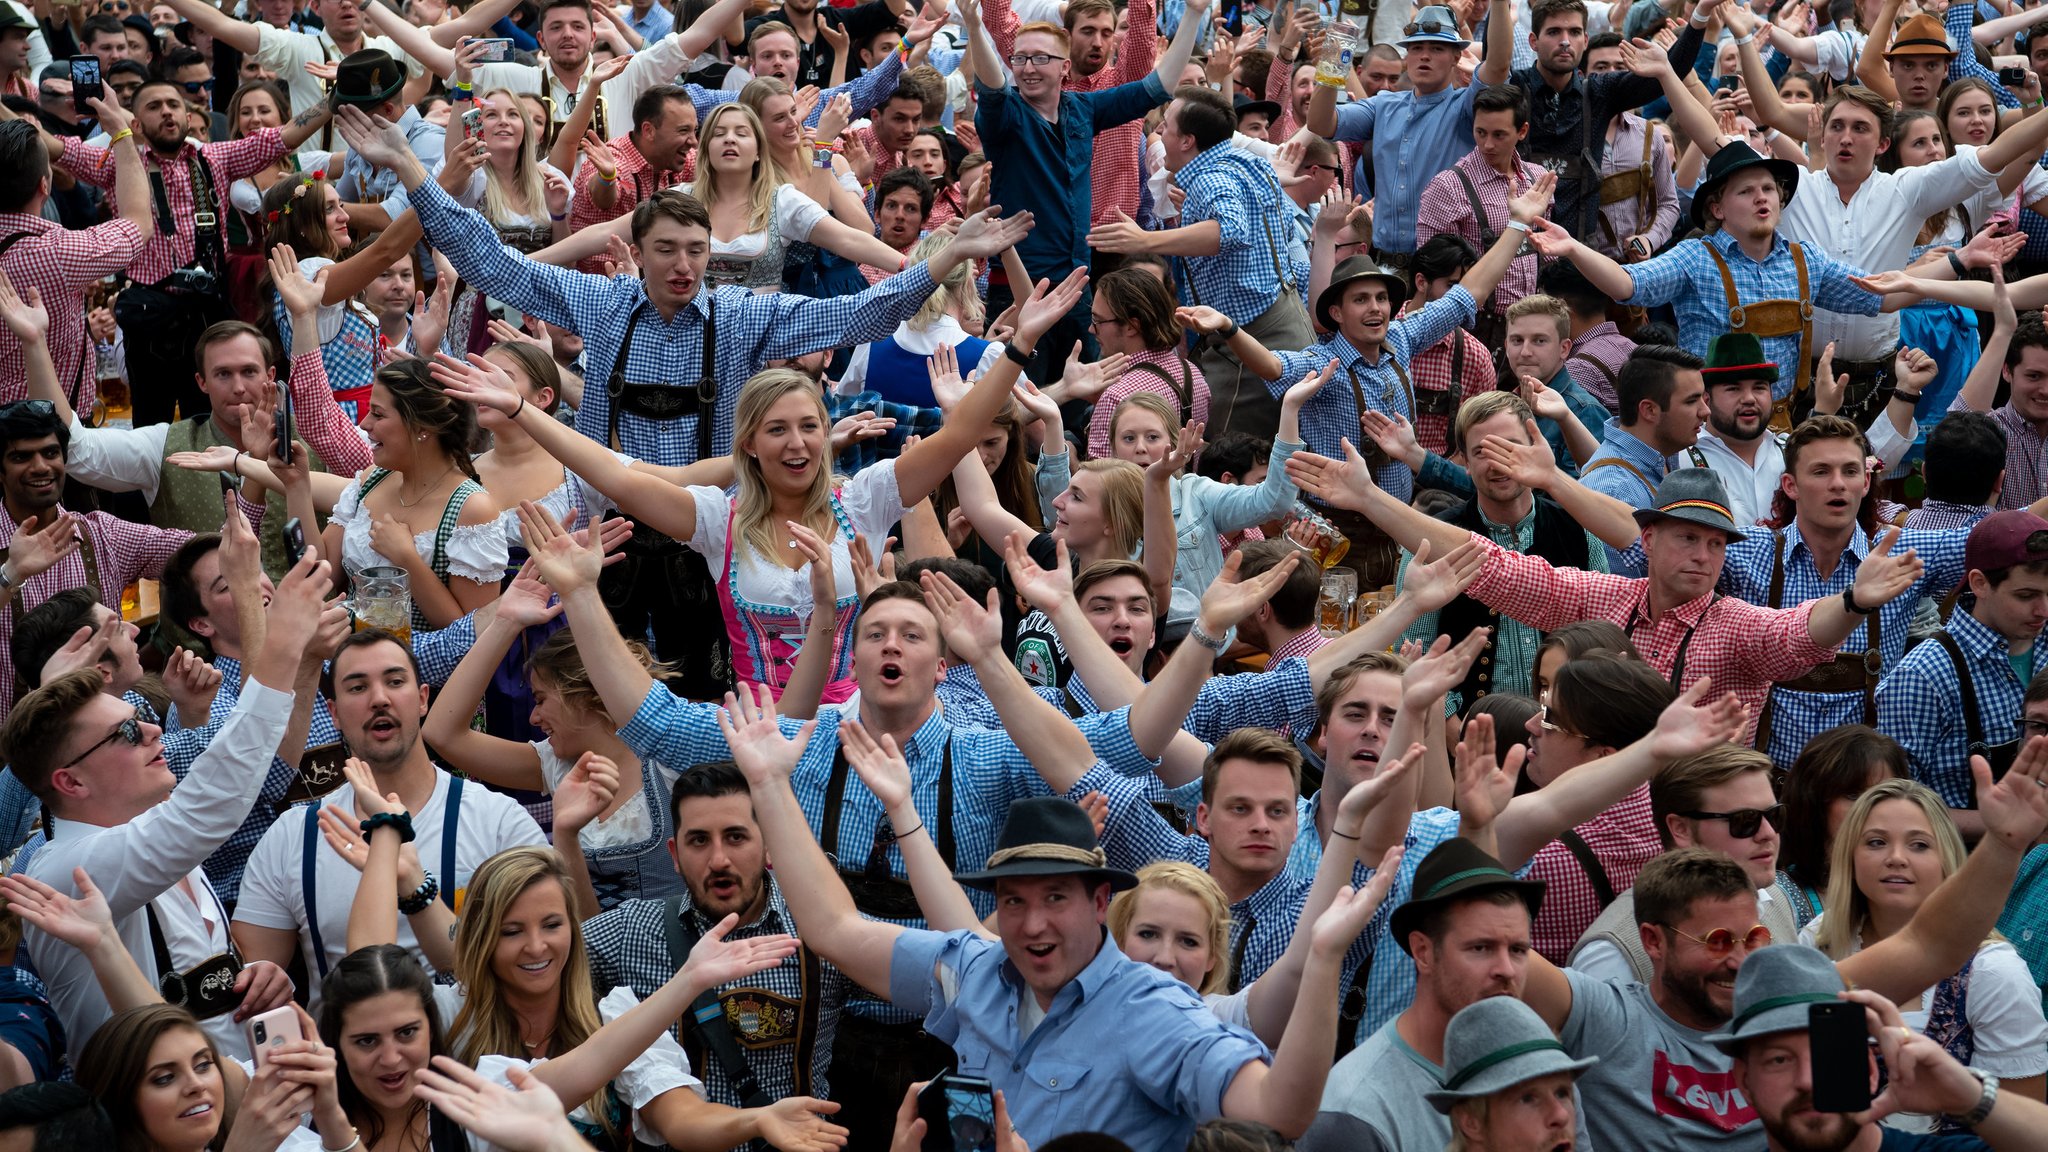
[294, 542]
[1233, 17]
[959, 1114]
[2013, 77]
[1727, 83]
[227, 482]
[85, 83]
[496, 51]
[472, 123]
[284, 427]
[1840, 1059]
[269, 1029]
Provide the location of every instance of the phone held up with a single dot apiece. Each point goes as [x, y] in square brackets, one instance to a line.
[1840, 1044]
[959, 1114]
[85, 84]
[269, 1029]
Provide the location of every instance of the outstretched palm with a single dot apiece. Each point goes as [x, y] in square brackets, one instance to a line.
[716, 960]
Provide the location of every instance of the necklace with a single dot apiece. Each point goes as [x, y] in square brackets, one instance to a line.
[403, 503]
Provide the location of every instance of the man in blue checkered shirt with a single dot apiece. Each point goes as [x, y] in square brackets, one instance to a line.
[1959, 694]
[664, 379]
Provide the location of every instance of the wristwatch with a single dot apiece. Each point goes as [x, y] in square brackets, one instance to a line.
[7, 580]
[1212, 643]
[1985, 1102]
[1849, 602]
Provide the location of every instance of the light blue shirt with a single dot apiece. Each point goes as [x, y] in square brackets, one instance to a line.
[658, 22]
[1413, 138]
[1125, 1049]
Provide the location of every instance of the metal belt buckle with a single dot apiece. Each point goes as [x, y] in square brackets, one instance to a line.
[204, 219]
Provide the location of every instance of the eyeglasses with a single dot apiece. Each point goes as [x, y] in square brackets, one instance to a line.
[1332, 169]
[1743, 823]
[128, 731]
[1095, 321]
[2032, 728]
[1429, 27]
[114, 6]
[1543, 721]
[1720, 942]
[1035, 59]
[195, 87]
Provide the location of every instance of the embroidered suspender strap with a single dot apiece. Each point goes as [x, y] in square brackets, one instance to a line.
[206, 240]
[813, 981]
[1698, 458]
[615, 386]
[451, 828]
[91, 557]
[1973, 725]
[309, 874]
[1407, 387]
[1737, 321]
[1183, 389]
[706, 1018]
[1279, 272]
[1775, 600]
[1595, 870]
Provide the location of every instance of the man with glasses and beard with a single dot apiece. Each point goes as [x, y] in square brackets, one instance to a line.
[778, 1025]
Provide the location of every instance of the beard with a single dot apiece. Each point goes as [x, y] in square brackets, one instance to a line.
[1830, 1132]
[1732, 428]
[1692, 992]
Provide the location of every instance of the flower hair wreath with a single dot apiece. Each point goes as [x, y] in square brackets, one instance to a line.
[305, 181]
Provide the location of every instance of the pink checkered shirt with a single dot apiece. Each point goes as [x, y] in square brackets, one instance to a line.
[887, 160]
[1444, 207]
[1623, 839]
[61, 264]
[1119, 152]
[1430, 371]
[171, 248]
[636, 182]
[1307, 643]
[1744, 648]
[1168, 360]
[123, 552]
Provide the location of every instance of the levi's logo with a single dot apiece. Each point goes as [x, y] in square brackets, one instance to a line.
[1712, 1098]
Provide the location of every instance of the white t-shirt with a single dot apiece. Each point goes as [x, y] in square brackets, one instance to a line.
[273, 888]
[661, 1069]
[872, 507]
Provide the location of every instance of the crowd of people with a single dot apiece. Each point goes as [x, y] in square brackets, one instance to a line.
[1078, 575]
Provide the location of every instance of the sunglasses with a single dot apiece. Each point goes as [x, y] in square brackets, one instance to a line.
[1720, 942]
[1743, 823]
[195, 87]
[1429, 27]
[128, 731]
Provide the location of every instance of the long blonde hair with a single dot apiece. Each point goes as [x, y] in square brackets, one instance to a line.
[485, 1025]
[761, 185]
[1190, 881]
[1123, 502]
[754, 515]
[956, 288]
[525, 179]
[1848, 909]
[755, 96]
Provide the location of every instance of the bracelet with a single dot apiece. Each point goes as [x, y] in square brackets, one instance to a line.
[235, 465]
[917, 827]
[611, 179]
[558, 219]
[1230, 331]
[1518, 225]
[1346, 835]
[1912, 398]
[464, 95]
[421, 896]
[399, 820]
[1212, 643]
[1955, 263]
[1742, 41]
[117, 137]
[351, 1146]
[518, 410]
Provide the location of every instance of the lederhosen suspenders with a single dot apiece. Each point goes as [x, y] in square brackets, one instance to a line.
[207, 989]
[85, 332]
[663, 401]
[1839, 676]
[1487, 235]
[1442, 402]
[1286, 285]
[886, 898]
[309, 866]
[1584, 358]
[708, 1029]
[1183, 389]
[1778, 317]
[1641, 615]
[1596, 872]
[1373, 455]
[2000, 756]
[1618, 462]
[208, 251]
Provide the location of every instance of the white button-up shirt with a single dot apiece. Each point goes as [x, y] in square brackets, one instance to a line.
[1874, 231]
[1751, 486]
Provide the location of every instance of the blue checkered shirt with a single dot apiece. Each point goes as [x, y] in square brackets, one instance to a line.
[1240, 192]
[1960, 20]
[1687, 279]
[1919, 704]
[751, 329]
[1797, 717]
[1332, 414]
[910, 421]
[2025, 920]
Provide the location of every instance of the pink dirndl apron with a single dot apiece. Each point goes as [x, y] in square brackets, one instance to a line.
[766, 638]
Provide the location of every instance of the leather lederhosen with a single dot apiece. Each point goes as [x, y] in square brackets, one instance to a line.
[1844, 675]
[886, 898]
[1774, 318]
[1373, 554]
[1442, 402]
[1238, 400]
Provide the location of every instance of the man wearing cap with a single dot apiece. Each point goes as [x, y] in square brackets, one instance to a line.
[1414, 132]
[1235, 227]
[1674, 615]
[1959, 695]
[1371, 343]
[1569, 111]
[1255, 118]
[1470, 199]
[1741, 276]
[15, 30]
[1662, 1083]
[1775, 993]
[1509, 1083]
[1467, 928]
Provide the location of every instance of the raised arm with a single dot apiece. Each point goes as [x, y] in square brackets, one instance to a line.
[1871, 71]
[882, 768]
[412, 39]
[86, 923]
[1769, 107]
[572, 569]
[1500, 44]
[1182, 47]
[242, 37]
[492, 759]
[477, 21]
[1534, 464]
[818, 899]
[1688, 115]
[983, 66]
[1880, 577]
[1111, 683]
[1348, 483]
[1161, 708]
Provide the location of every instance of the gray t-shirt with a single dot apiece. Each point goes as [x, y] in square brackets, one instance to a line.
[1373, 1102]
[1659, 1086]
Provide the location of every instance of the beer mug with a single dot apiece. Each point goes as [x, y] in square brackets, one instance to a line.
[1333, 605]
[383, 600]
[1312, 531]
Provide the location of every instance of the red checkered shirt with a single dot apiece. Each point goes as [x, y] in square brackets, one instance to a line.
[1444, 207]
[61, 264]
[1306, 643]
[1622, 839]
[227, 160]
[636, 182]
[1119, 166]
[1430, 371]
[874, 275]
[1135, 379]
[123, 552]
[1744, 648]
[1279, 89]
[887, 160]
[947, 205]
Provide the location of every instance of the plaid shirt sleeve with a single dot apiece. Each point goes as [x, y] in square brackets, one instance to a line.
[440, 651]
[247, 156]
[865, 92]
[1443, 208]
[87, 162]
[1135, 58]
[1281, 697]
[560, 296]
[1919, 704]
[1546, 598]
[321, 421]
[910, 421]
[1961, 20]
[674, 731]
[93, 253]
[1135, 834]
[1662, 279]
[131, 551]
[1832, 289]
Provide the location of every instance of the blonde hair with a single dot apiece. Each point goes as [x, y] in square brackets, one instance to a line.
[1188, 880]
[525, 180]
[755, 96]
[956, 288]
[1123, 502]
[1848, 909]
[485, 1025]
[753, 516]
[761, 185]
[1143, 401]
